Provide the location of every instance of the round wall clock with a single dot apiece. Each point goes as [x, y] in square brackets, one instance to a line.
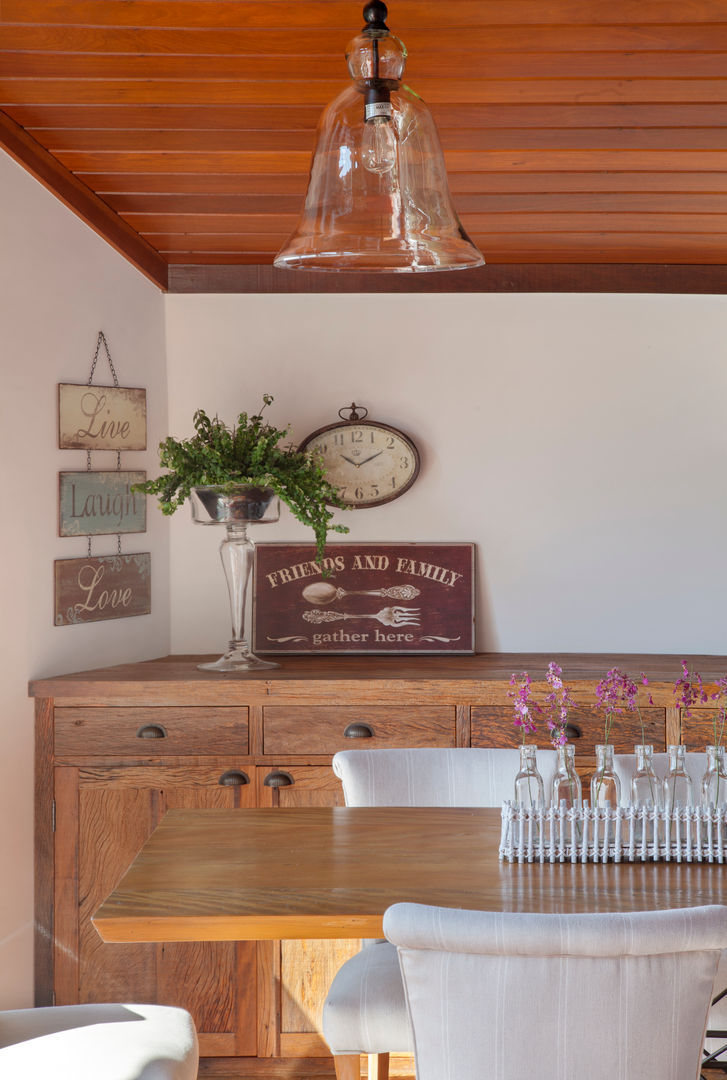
[369, 463]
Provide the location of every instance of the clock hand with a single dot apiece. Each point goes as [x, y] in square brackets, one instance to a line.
[351, 461]
[368, 459]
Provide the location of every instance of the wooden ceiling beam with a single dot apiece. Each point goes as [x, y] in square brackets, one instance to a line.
[285, 118]
[173, 41]
[531, 277]
[81, 200]
[316, 92]
[339, 14]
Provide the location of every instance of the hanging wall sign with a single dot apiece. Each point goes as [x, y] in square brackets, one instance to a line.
[101, 417]
[103, 587]
[99, 503]
[378, 598]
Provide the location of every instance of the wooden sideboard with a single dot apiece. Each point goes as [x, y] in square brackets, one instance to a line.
[116, 747]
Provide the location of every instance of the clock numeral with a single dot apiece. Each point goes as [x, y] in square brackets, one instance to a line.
[375, 491]
[342, 492]
[372, 437]
[393, 481]
[405, 463]
[356, 436]
[359, 493]
[338, 439]
[389, 442]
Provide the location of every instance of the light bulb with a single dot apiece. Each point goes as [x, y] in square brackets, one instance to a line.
[378, 146]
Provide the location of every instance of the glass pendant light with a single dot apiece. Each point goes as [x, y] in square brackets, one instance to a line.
[378, 197]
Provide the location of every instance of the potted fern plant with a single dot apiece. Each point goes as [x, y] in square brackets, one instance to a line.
[234, 476]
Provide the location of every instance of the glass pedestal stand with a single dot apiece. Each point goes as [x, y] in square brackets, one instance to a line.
[236, 510]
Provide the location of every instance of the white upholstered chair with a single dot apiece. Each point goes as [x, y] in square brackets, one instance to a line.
[98, 1042]
[561, 997]
[365, 1010]
[696, 764]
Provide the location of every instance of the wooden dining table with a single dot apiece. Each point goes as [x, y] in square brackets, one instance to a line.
[331, 872]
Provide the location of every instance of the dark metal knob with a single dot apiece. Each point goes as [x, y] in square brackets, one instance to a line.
[278, 779]
[374, 14]
[234, 778]
[151, 731]
[359, 730]
[573, 731]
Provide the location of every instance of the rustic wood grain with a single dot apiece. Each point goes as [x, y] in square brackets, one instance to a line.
[79, 198]
[482, 678]
[321, 730]
[212, 275]
[43, 853]
[332, 872]
[216, 983]
[113, 732]
[155, 99]
[698, 730]
[493, 726]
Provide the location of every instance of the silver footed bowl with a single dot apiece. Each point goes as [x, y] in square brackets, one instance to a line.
[218, 505]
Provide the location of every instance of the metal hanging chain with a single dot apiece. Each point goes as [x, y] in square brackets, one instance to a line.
[101, 340]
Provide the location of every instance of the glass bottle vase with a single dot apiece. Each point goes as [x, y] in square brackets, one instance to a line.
[566, 787]
[646, 788]
[529, 791]
[714, 781]
[677, 786]
[605, 785]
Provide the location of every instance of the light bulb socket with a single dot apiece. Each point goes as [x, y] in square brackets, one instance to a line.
[377, 102]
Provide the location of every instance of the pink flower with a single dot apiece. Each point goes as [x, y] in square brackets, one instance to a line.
[557, 703]
[524, 709]
[689, 690]
[615, 694]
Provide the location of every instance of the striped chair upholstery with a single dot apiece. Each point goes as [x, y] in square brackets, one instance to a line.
[608, 997]
[365, 1010]
[696, 763]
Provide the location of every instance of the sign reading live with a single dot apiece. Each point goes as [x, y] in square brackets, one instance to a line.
[102, 587]
[378, 598]
[101, 417]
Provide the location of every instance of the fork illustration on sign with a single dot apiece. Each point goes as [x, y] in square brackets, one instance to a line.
[389, 616]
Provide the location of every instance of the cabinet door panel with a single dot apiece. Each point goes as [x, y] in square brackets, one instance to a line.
[306, 968]
[113, 810]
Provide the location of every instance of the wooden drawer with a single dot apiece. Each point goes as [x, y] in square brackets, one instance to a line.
[324, 729]
[492, 725]
[698, 730]
[154, 731]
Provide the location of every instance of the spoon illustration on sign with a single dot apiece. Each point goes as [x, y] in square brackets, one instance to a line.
[322, 592]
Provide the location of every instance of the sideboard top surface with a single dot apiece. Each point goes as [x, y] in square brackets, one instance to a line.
[305, 678]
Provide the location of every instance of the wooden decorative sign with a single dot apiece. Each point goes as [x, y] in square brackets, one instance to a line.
[101, 417]
[103, 587]
[99, 503]
[380, 598]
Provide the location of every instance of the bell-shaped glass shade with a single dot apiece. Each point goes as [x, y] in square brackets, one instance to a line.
[378, 197]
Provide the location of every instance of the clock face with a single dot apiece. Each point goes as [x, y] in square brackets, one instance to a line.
[368, 463]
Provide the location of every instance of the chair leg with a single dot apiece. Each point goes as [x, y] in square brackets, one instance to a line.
[348, 1066]
[378, 1067]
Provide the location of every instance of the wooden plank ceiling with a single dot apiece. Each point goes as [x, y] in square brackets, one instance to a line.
[574, 132]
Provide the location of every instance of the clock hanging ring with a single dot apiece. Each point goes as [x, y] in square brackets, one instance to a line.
[369, 463]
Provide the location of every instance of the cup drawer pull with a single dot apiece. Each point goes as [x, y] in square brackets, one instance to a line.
[359, 730]
[151, 731]
[233, 778]
[278, 779]
[573, 731]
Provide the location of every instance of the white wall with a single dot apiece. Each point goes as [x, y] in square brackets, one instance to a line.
[59, 285]
[579, 440]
